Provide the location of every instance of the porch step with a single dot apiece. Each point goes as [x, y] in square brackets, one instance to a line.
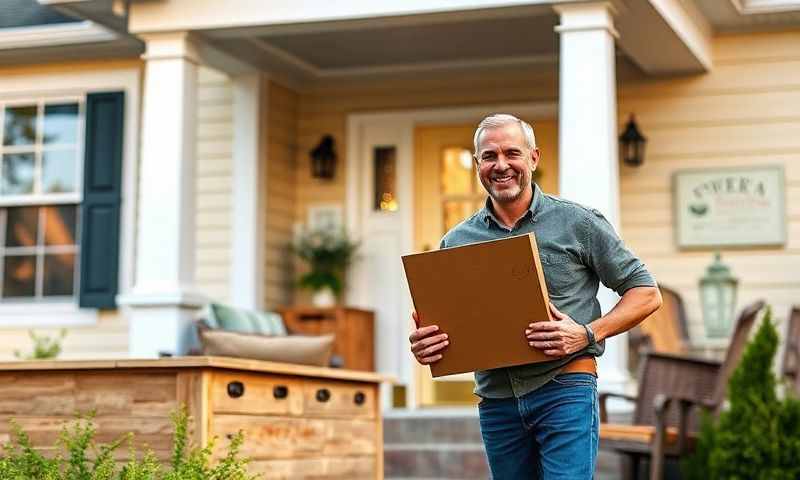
[427, 446]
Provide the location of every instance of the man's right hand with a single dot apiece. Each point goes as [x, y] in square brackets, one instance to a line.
[426, 342]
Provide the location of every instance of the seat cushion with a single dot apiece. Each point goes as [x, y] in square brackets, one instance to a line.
[300, 349]
[634, 433]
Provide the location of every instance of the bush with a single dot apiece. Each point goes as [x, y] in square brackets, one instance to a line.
[44, 346]
[80, 458]
[758, 436]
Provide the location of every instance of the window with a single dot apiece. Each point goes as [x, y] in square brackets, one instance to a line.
[462, 193]
[40, 196]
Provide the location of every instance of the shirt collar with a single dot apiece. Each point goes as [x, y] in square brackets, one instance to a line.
[487, 212]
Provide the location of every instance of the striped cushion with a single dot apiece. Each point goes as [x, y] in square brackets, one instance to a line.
[226, 317]
[269, 323]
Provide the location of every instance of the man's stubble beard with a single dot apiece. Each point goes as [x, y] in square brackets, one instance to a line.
[506, 196]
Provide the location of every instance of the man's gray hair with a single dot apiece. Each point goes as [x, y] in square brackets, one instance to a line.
[497, 120]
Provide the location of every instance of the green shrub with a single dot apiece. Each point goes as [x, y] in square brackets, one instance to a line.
[758, 436]
[78, 457]
[44, 346]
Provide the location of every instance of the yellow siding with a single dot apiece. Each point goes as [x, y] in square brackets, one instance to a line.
[281, 126]
[744, 112]
[108, 338]
[324, 111]
[214, 183]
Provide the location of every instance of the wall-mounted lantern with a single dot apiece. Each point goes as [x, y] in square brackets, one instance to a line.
[323, 159]
[631, 144]
[718, 298]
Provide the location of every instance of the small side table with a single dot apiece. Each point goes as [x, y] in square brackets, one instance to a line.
[354, 330]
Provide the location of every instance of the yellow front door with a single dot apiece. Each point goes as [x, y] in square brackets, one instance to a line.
[447, 191]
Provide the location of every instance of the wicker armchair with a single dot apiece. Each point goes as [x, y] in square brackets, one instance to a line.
[669, 385]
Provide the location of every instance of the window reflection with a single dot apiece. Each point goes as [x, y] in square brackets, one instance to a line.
[22, 226]
[20, 125]
[385, 179]
[461, 192]
[58, 171]
[61, 124]
[18, 172]
[19, 279]
[59, 272]
[59, 225]
[458, 174]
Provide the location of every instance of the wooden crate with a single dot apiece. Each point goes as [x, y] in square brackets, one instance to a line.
[299, 422]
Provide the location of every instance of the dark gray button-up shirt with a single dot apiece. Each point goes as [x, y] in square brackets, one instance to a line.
[578, 249]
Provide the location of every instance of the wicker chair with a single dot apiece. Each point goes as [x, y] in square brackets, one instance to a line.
[663, 421]
[791, 355]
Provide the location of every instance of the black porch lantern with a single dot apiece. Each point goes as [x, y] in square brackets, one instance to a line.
[631, 144]
[323, 159]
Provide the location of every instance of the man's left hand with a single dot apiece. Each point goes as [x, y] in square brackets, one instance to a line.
[557, 338]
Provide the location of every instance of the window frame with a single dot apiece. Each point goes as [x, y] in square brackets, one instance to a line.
[39, 148]
[40, 199]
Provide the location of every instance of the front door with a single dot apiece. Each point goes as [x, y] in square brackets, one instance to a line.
[447, 191]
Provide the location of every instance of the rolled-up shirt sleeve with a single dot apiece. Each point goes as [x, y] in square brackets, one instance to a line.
[616, 266]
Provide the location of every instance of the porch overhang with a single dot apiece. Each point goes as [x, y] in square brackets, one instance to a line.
[327, 39]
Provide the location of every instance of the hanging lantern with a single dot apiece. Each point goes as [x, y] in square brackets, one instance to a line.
[718, 298]
[631, 144]
[323, 159]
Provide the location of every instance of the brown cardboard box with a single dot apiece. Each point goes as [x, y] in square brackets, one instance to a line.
[483, 296]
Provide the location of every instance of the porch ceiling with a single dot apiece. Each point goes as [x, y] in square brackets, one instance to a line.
[318, 51]
[471, 40]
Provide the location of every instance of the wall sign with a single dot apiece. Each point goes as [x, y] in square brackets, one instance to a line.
[730, 207]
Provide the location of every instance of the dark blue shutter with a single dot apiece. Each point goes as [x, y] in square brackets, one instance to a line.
[100, 210]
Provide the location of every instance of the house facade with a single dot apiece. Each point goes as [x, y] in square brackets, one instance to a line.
[156, 154]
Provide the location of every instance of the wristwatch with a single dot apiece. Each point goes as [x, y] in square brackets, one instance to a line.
[590, 335]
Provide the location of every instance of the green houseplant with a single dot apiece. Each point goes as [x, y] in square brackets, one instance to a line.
[327, 254]
[758, 436]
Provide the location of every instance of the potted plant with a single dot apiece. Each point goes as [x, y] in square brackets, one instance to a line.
[327, 254]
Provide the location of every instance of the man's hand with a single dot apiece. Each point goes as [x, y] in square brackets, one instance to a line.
[558, 338]
[425, 342]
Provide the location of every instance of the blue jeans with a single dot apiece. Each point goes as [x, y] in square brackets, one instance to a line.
[550, 433]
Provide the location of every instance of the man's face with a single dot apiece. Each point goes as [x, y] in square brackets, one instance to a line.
[505, 163]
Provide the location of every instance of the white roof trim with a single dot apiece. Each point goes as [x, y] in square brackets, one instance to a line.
[752, 7]
[54, 35]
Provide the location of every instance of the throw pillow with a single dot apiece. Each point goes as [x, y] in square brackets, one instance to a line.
[300, 349]
[269, 323]
[230, 318]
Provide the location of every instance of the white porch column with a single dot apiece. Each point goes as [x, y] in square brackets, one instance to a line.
[249, 205]
[589, 170]
[161, 305]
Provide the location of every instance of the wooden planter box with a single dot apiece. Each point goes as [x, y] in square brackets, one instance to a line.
[298, 421]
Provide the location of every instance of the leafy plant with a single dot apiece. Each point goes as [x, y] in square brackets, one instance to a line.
[328, 254]
[758, 436]
[78, 457]
[44, 346]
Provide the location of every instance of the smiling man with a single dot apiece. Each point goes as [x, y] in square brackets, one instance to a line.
[541, 420]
